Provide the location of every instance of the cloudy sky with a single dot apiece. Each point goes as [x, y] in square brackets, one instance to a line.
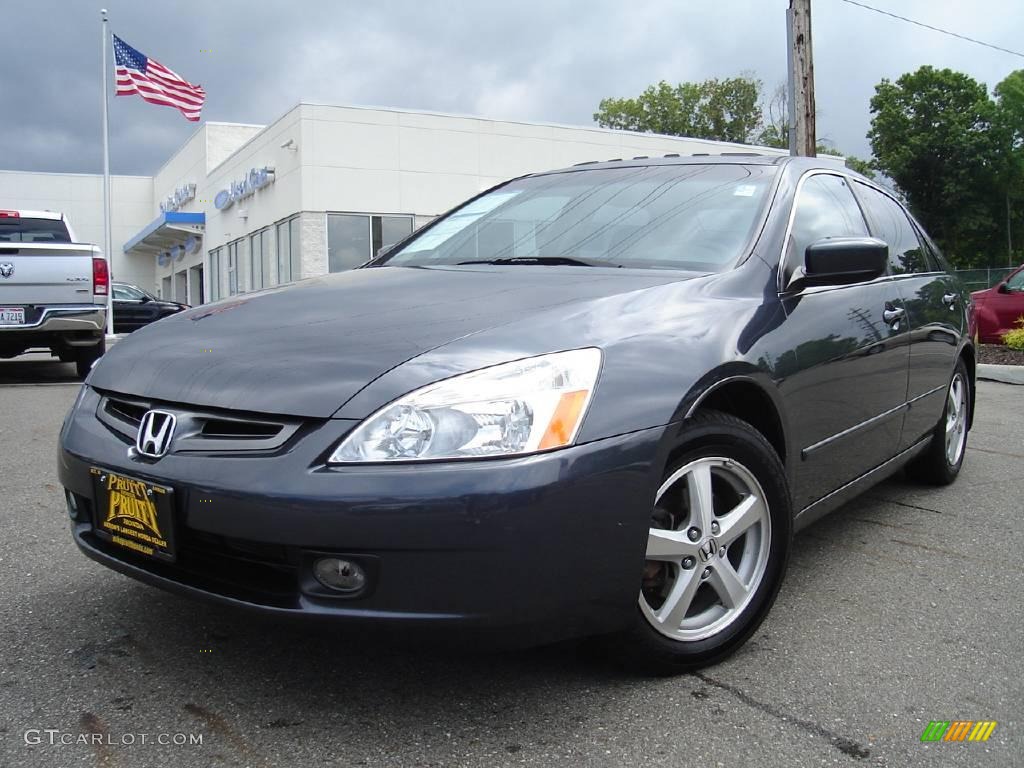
[545, 60]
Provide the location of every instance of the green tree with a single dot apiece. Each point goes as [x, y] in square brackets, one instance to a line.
[1010, 124]
[722, 110]
[734, 109]
[932, 134]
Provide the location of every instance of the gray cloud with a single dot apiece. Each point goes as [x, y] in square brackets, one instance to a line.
[533, 59]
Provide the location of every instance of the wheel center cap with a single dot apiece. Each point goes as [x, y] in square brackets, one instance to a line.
[708, 550]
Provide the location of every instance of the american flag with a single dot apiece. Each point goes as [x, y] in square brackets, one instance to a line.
[137, 73]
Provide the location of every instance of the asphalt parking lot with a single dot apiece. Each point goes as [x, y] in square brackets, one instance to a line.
[903, 607]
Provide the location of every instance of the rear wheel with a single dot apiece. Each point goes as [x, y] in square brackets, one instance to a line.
[942, 459]
[716, 549]
[86, 356]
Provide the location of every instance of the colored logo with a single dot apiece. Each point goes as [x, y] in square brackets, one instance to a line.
[131, 505]
[958, 730]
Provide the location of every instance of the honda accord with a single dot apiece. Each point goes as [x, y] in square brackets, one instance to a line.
[597, 401]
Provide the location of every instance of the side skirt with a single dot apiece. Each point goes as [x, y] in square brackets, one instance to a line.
[840, 496]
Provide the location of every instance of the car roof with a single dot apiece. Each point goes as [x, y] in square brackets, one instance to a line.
[799, 164]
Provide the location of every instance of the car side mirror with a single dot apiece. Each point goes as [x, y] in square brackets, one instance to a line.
[844, 260]
[145, 299]
[1003, 288]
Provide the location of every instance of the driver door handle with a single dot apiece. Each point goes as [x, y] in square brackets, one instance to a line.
[893, 314]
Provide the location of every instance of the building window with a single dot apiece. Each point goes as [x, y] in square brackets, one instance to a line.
[233, 282]
[288, 267]
[259, 259]
[215, 274]
[354, 239]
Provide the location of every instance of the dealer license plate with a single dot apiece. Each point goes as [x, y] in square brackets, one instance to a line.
[134, 514]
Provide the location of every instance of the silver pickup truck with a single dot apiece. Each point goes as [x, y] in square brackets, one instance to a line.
[53, 291]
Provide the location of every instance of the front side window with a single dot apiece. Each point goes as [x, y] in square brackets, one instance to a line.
[825, 208]
[128, 293]
[689, 217]
[1016, 282]
[890, 223]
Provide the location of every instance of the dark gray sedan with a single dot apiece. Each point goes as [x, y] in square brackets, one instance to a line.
[595, 401]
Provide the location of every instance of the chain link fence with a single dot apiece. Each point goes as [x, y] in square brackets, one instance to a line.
[980, 279]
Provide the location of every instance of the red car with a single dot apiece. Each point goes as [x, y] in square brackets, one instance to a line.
[998, 308]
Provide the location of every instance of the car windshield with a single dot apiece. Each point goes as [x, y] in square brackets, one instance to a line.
[689, 217]
[14, 229]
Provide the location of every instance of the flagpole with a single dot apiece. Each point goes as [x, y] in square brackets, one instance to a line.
[107, 238]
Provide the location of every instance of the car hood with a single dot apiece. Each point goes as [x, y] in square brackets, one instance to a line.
[307, 348]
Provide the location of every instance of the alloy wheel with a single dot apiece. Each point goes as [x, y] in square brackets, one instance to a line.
[956, 419]
[707, 549]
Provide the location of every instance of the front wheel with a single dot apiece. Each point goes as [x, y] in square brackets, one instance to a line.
[717, 548]
[942, 459]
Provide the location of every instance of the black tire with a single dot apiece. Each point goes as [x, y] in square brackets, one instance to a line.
[933, 466]
[86, 356]
[715, 434]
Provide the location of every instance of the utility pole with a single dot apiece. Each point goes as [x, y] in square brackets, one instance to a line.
[802, 134]
[1009, 234]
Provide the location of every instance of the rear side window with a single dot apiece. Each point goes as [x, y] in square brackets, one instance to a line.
[18, 230]
[825, 208]
[890, 223]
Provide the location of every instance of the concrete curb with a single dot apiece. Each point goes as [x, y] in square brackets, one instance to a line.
[1006, 374]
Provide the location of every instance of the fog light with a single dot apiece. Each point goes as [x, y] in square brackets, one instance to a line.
[338, 574]
[72, 504]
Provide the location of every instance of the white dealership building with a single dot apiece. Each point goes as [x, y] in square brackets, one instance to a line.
[321, 189]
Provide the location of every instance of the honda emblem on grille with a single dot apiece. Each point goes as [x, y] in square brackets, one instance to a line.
[155, 432]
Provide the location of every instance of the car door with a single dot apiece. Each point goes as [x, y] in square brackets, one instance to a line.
[846, 378]
[934, 302]
[131, 309]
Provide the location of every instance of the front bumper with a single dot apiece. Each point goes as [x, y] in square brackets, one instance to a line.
[551, 545]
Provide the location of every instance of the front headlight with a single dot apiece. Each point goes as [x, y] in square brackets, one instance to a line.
[510, 409]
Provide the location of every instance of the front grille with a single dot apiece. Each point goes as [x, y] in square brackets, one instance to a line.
[129, 413]
[236, 429]
[199, 430]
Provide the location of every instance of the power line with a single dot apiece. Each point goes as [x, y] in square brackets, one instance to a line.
[935, 29]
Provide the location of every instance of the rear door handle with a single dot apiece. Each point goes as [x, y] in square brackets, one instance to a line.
[893, 315]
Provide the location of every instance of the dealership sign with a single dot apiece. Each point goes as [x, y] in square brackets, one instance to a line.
[257, 178]
[178, 198]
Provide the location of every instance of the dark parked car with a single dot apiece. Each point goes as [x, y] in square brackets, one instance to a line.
[1000, 307]
[595, 401]
[134, 308]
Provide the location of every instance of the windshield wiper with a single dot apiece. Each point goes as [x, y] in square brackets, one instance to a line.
[556, 261]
